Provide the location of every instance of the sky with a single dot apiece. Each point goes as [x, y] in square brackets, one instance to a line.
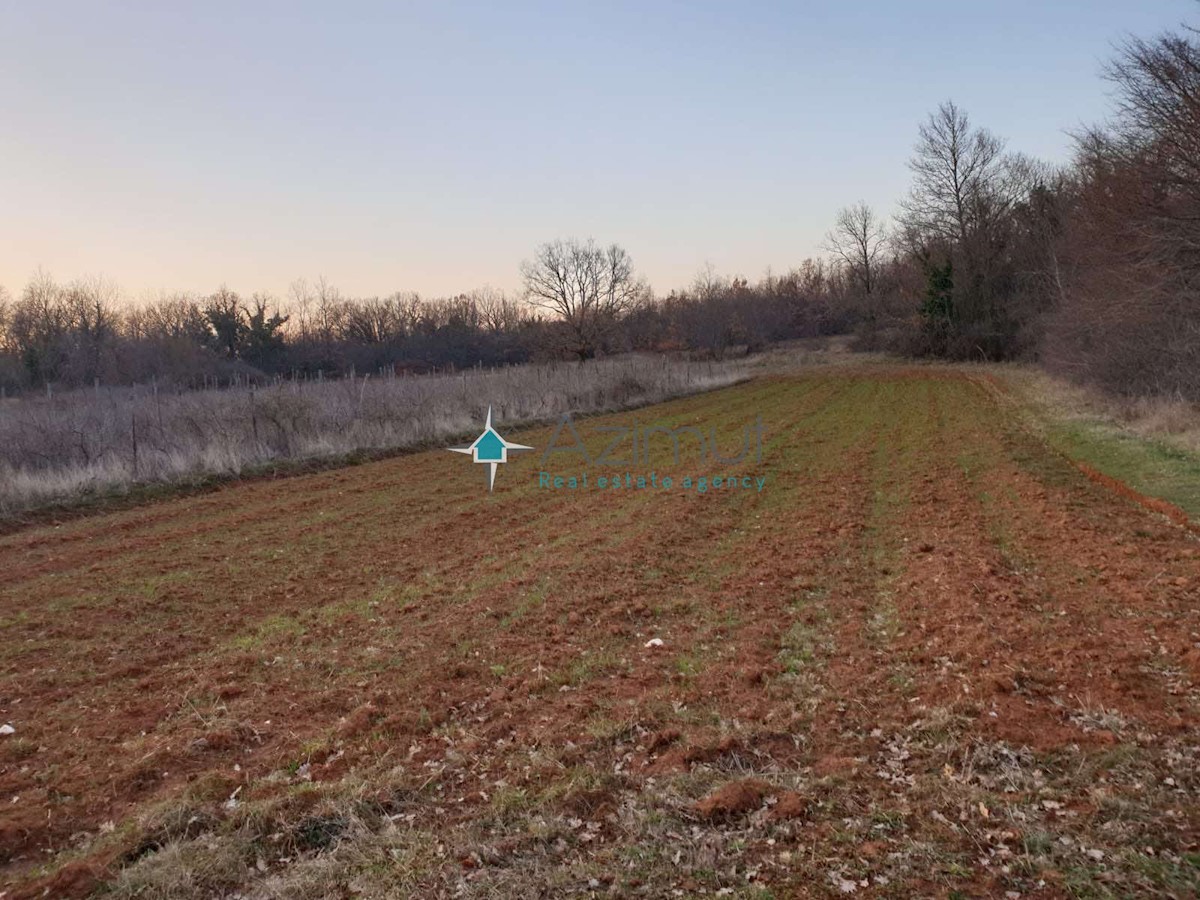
[431, 147]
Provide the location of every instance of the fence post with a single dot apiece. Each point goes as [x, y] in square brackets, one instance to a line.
[253, 417]
[133, 431]
[157, 403]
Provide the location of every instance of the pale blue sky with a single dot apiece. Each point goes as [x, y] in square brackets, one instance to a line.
[431, 147]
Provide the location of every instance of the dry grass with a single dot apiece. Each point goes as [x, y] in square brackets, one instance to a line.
[938, 791]
[89, 442]
[1170, 419]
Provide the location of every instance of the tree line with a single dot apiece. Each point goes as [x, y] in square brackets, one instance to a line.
[580, 301]
[1092, 268]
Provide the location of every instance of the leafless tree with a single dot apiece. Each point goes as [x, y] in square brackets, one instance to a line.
[300, 304]
[709, 284]
[1157, 129]
[5, 317]
[965, 188]
[39, 323]
[329, 314]
[954, 167]
[407, 306]
[170, 317]
[585, 285]
[319, 313]
[94, 321]
[705, 317]
[372, 321]
[858, 240]
[496, 311]
[1130, 315]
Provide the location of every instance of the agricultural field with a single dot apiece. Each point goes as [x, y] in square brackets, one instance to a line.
[928, 655]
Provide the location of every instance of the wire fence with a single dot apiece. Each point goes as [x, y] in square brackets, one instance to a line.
[104, 439]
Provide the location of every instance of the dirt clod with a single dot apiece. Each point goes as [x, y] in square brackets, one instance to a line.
[736, 798]
[790, 805]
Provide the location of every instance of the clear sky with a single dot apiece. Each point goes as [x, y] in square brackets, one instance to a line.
[432, 146]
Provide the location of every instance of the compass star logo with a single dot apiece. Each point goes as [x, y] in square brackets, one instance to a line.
[489, 448]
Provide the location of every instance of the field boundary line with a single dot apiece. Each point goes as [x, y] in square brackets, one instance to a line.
[1003, 395]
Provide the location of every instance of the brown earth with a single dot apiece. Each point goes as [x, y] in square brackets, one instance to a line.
[930, 657]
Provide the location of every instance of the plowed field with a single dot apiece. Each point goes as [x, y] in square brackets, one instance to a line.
[930, 657]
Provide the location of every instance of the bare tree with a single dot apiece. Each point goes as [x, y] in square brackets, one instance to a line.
[5, 317]
[1129, 313]
[496, 311]
[1157, 129]
[300, 304]
[407, 308]
[170, 317]
[329, 316]
[372, 321]
[965, 189]
[858, 240]
[319, 314]
[954, 167]
[94, 321]
[705, 318]
[38, 327]
[588, 287]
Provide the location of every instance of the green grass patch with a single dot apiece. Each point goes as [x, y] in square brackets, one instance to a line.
[271, 630]
[1149, 466]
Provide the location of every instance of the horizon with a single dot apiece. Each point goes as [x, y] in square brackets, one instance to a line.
[206, 147]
